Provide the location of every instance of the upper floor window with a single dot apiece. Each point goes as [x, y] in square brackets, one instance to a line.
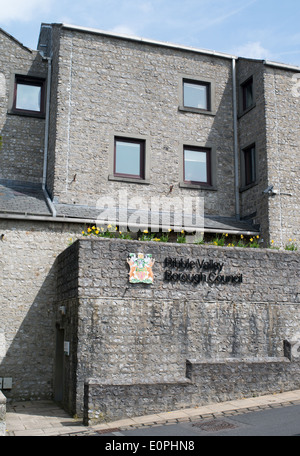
[247, 94]
[197, 165]
[29, 95]
[249, 173]
[129, 158]
[196, 94]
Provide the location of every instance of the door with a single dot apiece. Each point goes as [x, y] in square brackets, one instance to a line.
[59, 365]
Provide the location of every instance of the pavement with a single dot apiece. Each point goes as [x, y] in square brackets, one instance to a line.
[46, 418]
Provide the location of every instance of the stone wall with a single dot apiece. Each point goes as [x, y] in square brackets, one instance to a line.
[27, 306]
[2, 414]
[122, 87]
[207, 381]
[283, 143]
[252, 130]
[243, 303]
[22, 148]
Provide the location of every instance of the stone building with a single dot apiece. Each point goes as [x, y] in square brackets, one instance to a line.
[101, 127]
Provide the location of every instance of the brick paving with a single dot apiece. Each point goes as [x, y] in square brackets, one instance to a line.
[45, 418]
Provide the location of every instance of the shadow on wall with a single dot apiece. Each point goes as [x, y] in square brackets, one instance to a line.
[22, 135]
[30, 334]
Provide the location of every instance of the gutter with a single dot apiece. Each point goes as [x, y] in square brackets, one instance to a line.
[282, 66]
[145, 40]
[235, 142]
[45, 218]
[47, 197]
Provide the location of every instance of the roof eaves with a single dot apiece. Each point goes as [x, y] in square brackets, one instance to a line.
[15, 40]
[282, 66]
[148, 41]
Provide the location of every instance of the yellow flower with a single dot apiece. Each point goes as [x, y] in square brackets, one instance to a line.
[89, 230]
[272, 241]
[257, 237]
[145, 231]
[182, 231]
[97, 232]
[108, 226]
[251, 239]
[290, 240]
[82, 232]
[170, 229]
[120, 232]
[93, 227]
[226, 234]
[242, 237]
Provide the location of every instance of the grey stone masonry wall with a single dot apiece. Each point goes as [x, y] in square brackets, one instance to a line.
[2, 414]
[252, 130]
[137, 333]
[119, 87]
[207, 381]
[27, 304]
[283, 144]
[22, 151]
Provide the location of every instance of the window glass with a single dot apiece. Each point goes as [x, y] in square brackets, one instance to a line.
[195, 95]
[28, 97]
[129, 158]
[196, 165]
[250, 167]
[248, 94]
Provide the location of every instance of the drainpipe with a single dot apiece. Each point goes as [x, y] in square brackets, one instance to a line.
[48, 199]
[235, 142]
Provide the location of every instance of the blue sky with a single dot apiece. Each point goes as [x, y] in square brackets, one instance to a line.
[262, 29]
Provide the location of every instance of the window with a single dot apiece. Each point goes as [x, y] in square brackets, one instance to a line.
[129, 158]
[29, 95]
[247, 94]
[196, 94]
[249, 160]
[197, 165]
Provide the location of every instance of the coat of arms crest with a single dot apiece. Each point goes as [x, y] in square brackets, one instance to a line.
[140, 268]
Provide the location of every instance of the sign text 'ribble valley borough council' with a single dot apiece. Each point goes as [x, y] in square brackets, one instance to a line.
[197, 271]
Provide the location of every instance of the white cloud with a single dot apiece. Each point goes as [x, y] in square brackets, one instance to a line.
[20, 10]
[123, 30]
[252, 50]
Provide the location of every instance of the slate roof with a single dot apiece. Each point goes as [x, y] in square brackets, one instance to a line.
[22, 198]
[28, 199]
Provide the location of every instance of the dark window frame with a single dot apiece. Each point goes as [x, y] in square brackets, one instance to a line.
[249, 171]
[245, 86]
[31, 81]
[208, 152]
[205, 84]
[142, 144]
[249, 165]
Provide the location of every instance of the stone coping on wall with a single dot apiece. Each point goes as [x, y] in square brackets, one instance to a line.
[140, 382]
[238, 360]
[209, 382]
